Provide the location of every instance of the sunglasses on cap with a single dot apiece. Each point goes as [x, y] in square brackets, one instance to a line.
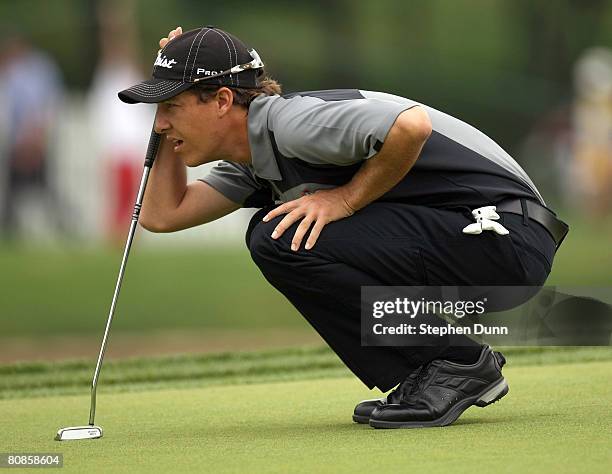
[256, 63]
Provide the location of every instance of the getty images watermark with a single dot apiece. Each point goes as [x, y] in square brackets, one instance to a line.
[420, 316]
[410, 309]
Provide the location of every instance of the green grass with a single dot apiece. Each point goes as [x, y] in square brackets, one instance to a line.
[70, 377]
[68, 291]
[556, 418]
[33, 379]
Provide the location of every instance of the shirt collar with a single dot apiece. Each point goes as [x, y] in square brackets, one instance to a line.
[262, 152]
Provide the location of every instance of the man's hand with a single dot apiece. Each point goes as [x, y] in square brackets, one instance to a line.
[320, 208]
[376, 176]
[173, 34]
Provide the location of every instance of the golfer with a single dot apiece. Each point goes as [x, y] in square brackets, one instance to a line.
[355, 188]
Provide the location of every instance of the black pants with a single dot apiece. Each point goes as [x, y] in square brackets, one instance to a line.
[392, 244]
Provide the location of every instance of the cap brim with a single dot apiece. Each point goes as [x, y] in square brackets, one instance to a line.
[153, 91]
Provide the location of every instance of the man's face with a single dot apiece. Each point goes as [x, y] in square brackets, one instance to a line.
[191, 125]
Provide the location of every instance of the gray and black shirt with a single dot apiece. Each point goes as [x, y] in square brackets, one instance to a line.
[306, 141]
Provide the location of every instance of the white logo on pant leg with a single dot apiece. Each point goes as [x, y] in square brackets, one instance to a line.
[163, 61]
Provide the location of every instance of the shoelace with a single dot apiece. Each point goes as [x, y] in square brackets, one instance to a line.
[419, 380]
[404, 389]
[422, 376]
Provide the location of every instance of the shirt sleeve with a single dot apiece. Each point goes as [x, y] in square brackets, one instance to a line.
[340, 132]
[239, 184]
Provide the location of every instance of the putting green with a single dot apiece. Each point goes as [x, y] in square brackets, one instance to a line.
[556, 418]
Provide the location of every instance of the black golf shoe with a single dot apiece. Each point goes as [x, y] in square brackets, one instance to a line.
[364, 408]
[443, 390]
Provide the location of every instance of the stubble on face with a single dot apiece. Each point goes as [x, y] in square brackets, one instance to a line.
[191, 127]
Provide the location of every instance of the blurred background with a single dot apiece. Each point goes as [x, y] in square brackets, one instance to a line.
[536, 76]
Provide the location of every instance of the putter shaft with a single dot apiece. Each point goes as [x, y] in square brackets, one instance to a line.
[126, 252]
[154, 141]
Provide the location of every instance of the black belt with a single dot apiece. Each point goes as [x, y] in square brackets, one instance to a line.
[542, 215]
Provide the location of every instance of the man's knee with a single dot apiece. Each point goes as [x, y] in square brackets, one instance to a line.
[255, 220]
[275, 259]
[263, 248]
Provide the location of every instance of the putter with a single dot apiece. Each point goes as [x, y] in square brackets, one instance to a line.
[92, 431]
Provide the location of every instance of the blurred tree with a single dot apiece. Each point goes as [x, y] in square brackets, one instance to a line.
[553, 34]
[343, 61]
[498, 64]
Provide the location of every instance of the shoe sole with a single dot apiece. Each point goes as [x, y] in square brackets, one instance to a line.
[488, 396]
[363, 420]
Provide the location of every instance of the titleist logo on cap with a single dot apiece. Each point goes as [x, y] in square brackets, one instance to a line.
[163, 61]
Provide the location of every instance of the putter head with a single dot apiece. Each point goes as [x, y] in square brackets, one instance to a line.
[78, 432]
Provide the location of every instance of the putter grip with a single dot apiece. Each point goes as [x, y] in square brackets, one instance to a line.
[152, 148]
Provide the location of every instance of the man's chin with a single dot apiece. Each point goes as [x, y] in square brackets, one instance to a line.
[186, 159]
[192, 161]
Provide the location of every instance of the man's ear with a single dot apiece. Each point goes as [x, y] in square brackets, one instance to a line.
[225, 99]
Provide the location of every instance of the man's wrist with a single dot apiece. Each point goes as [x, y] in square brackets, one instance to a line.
[350, 208]
[346, 198]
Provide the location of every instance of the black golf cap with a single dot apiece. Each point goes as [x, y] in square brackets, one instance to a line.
[205, 55]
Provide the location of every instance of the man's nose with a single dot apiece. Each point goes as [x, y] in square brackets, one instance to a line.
[161, 123]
